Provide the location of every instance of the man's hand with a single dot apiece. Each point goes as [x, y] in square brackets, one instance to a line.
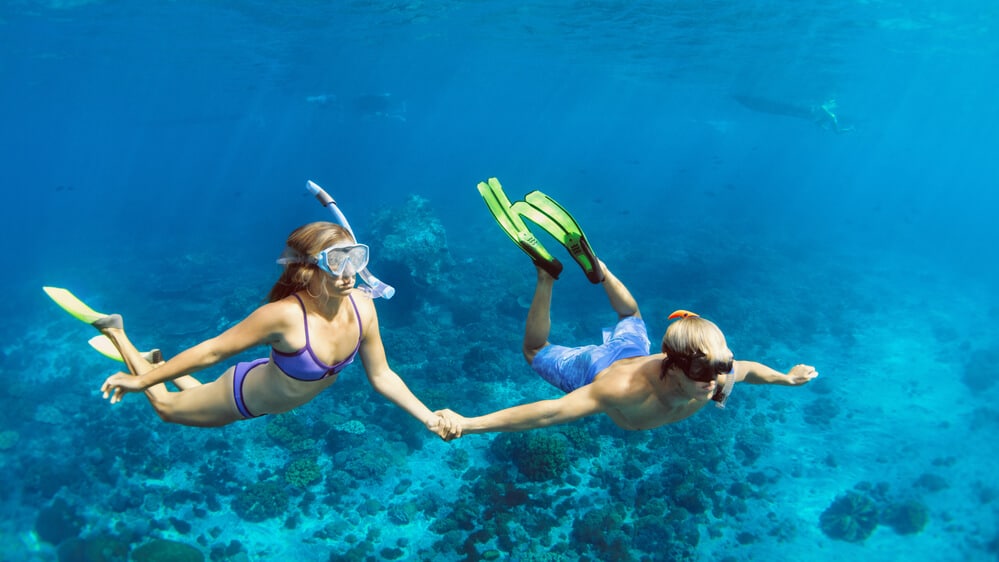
[117, 385]
[446, 424]
[801, 374]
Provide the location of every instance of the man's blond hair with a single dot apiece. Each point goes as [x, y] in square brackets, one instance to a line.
[691, 334]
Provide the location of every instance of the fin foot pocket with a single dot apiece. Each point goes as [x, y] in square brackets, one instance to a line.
[510, 221]
[552, 217]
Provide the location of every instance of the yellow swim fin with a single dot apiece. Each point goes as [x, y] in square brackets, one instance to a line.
[77, 308]
[104, 346]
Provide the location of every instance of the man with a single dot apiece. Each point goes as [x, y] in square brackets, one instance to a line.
[618, 378]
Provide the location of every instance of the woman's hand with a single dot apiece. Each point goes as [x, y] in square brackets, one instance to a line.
[446, 424]
[117, 385]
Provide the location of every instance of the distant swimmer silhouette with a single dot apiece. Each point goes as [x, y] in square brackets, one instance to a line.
[367, 106]
[383, 105]
[619, 378]
[823, 114]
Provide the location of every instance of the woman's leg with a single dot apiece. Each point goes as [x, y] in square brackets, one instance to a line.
[539, 322]
[203, 405]
[136, 361]
[206, 405]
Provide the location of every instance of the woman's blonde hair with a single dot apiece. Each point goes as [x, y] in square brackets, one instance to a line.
[304, 242]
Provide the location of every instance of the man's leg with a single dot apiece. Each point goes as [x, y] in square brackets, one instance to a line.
[620, 297]
[539, 322]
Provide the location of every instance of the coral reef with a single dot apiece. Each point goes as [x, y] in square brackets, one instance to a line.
[364, 463]
[851, 517]
[411, 234]
[100, 548]
[906, 517]
[289, 431]
[8, 439]
[538, 455]
[931, 482]
[604, 530]
[162, 550]
[260, 501]
[977, 376]
[821, 411]
[58, 522]
[303, 472]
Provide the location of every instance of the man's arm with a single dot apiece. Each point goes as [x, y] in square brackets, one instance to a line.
[758, 373]
[577, 404]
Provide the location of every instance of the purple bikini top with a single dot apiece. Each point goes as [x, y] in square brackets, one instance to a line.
[303, 365]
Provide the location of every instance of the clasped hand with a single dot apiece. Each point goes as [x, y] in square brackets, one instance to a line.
[447, 424]
[119, 384]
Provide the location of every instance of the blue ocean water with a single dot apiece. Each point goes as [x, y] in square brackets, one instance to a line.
[154, 160]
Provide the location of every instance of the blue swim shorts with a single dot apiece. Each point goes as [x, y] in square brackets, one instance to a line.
[569, 368]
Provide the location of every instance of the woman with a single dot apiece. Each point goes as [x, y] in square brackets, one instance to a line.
[315, 322]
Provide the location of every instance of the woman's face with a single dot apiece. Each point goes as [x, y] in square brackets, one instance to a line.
[340, 285]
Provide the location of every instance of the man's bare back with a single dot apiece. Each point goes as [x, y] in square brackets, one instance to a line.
[637, 398]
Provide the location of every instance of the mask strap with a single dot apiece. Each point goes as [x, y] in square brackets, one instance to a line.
[291, 255]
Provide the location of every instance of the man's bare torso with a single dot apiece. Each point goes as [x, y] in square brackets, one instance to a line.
[641, 400]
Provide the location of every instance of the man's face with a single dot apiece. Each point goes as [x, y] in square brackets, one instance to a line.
[699, 390]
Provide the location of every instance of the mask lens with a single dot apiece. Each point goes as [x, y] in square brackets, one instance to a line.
[347, 260]
[701, 370]
[704, 370]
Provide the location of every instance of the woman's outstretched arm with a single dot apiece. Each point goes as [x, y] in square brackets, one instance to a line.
[262, 326]
[390, 385]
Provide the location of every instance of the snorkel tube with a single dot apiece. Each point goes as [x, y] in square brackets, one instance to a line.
[721, 397]
[374, 286]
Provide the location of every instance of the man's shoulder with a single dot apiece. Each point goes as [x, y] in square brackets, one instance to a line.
[628, 379]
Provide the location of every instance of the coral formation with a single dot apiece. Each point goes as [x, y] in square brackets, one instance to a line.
[8, 439]
[353, 427]
[58, 522]
[975, 376]
[260, 501]
[906, 517]
[851, 517]
[538, 455]
[290, 431]
[821, 411]
[364, 463]
[100, 548]
[411, 234]
[162, 550]
[303, 472]
[604, 530]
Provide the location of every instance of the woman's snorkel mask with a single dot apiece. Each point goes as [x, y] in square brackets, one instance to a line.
[339, 258]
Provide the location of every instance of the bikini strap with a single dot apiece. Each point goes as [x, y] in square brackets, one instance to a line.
[305, 319]
[360, 325]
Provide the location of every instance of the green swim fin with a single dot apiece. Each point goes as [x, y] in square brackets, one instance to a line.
[77, 308]
[511, 223]
[549, 215]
